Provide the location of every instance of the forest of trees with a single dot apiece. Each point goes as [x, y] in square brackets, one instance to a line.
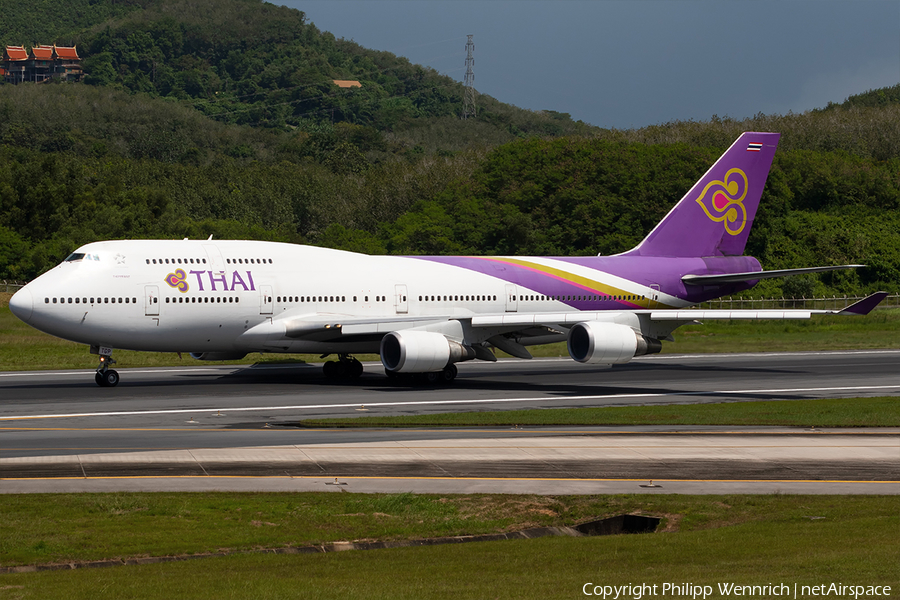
[219, 117]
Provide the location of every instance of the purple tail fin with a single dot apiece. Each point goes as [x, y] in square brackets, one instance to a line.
[715, 216]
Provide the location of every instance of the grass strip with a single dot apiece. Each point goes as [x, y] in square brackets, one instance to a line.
[881, 411]
[747, 540]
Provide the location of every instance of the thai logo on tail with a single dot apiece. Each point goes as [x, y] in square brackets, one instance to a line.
[723, 201]
[177, 280]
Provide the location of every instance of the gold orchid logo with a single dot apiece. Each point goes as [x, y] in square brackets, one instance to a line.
[723, 201]
[178, 280]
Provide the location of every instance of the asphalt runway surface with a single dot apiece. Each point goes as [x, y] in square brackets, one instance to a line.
[205, 426]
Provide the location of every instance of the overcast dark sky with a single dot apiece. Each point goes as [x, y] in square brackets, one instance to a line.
[633, 63]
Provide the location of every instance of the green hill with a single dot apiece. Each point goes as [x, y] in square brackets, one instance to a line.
[221, 117]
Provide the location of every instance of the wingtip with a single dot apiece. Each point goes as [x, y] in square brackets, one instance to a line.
[866, 305]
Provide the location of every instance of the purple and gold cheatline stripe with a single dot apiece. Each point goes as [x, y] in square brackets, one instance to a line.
[546, 280]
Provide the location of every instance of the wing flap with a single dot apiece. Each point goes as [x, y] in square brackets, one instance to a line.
[694, 314]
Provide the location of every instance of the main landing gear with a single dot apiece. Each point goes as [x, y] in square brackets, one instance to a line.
[106, 377]
[443, 377]
[345, 368]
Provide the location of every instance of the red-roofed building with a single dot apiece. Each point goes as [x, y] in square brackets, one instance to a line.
[15, 59]
[41, 64]
[68, 63]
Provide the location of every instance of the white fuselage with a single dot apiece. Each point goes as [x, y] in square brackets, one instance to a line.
[231, 296]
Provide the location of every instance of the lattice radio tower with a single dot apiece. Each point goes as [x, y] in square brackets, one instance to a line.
[469, 82]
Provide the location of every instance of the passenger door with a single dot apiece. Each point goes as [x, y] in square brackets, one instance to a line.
[151, 300]
[400, 299]
[266, 301]
[512, 301]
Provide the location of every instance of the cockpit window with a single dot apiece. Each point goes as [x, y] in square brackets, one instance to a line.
[79, 256]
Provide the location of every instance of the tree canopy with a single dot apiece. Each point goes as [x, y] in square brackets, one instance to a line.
[221, 117]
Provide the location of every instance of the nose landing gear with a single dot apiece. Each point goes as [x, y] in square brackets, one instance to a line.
[106, 377]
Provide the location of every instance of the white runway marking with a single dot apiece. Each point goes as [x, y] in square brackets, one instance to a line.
[197, 410]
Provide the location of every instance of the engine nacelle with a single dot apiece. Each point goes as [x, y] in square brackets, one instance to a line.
[421, 351]
[598, 342]
[218, 355]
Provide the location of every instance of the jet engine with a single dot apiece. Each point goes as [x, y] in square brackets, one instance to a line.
[421, 351]
[598, 342]
[218, 355]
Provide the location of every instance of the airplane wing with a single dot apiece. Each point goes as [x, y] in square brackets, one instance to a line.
[320, 326]
[607, 336]
[861, 307]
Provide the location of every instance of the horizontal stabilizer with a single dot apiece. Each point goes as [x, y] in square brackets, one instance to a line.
[754, 275]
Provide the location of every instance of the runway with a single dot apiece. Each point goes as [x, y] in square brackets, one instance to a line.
[231, 428]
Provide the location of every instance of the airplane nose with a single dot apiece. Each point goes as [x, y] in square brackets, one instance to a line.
[22, 304]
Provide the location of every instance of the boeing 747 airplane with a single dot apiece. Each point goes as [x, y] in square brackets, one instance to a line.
[220, 300]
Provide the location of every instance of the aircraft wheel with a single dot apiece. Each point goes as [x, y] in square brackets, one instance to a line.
[434, 377]
[99, 379]
[449, 373]
[355, 369]
[110, 378]
[332, 369]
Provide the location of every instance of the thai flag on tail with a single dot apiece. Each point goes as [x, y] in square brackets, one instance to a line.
[754, 147]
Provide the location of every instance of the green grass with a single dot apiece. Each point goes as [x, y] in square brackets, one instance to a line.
[25, 348]
[830, 412]
[742, 539]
